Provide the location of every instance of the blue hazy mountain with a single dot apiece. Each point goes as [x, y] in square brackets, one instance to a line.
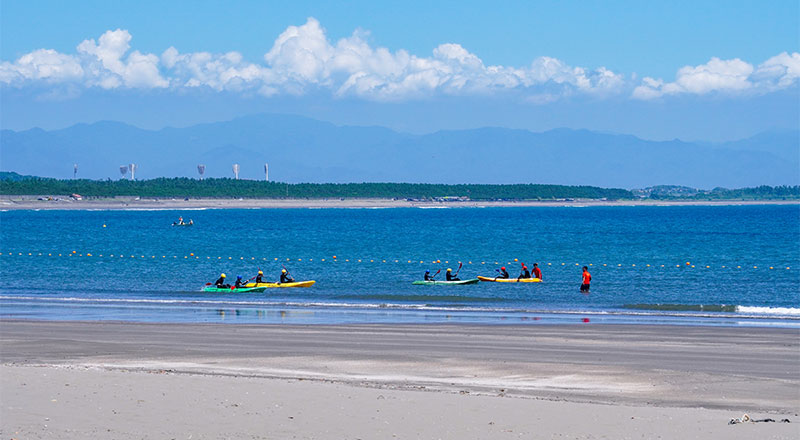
[300, 149]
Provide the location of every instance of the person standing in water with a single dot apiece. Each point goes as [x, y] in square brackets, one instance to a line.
[587, 279]
[537, 273]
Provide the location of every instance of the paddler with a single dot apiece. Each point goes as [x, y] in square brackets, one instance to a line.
[524, 273]
[285, 277]
[428, 276]
[239, 283]
[258, 277]
[220, 283]
[537, 273]
[450, 276]
[503, 273]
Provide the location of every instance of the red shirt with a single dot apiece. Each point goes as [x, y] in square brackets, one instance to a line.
[537, 273]
[587, 277]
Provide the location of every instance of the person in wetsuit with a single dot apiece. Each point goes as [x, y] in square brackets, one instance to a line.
[259, 276]
[503, 273]
[220, 283]
[451, 277]
[239, 283]
[537, 273]
[524, 274]
[428, 276]
[285, 277]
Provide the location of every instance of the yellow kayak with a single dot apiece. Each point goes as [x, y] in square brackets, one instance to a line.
[294, 284]
[510, 280]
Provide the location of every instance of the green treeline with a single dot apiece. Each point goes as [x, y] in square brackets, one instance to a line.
[185, 187]
[758, 193]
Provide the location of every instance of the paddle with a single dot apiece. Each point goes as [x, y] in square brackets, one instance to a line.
[434, 275]
[459, 268]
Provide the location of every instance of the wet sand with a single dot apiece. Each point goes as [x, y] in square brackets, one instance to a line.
[148, 203]
[132, 380]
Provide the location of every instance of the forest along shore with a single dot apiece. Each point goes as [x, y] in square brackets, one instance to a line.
[133, 203]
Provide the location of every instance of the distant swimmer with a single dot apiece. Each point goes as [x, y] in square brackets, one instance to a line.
[221, 282]
[587, 279]
[259, 276]
[450, 276]
[537, 273]
[524, 273]
[285, 277]
[503, 273]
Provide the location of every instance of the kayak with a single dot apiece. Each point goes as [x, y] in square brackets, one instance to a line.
[292, 284]
[184, 224]
[233, 289]
[445, 283]
[510, 280]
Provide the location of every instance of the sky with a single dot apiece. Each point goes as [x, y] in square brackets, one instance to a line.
[695, 70]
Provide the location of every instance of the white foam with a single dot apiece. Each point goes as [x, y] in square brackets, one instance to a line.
[791, 311]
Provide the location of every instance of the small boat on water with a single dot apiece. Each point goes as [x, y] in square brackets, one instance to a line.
[281, 285]
[510, 280]
[446, 283]
[233, 289]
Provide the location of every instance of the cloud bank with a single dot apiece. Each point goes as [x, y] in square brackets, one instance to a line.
[303, 60]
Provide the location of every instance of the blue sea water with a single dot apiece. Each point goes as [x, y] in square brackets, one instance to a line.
[715, 265]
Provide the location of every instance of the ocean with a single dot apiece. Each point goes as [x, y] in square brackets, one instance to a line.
[694, 265]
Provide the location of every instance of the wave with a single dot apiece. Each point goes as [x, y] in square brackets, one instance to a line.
[638, 310]
[752, 310]
[794, 311]
[683, 307]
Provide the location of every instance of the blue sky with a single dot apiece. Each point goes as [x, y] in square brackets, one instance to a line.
[689, 69]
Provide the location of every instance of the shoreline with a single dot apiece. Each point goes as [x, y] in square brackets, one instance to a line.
[78, 379]
[8, 203]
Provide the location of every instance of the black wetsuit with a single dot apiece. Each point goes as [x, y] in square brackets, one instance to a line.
[451, 277]
[524, 274]
[503, 274]
[220, 283]
[258, 279]
[239, 283]
[285, 278]
[428, 277]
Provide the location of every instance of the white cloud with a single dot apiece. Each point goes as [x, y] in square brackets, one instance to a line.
[726, 76]
[302, 59]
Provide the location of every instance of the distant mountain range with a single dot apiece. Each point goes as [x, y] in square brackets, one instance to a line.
[300, 149]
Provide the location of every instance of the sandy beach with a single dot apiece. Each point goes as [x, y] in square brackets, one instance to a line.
[129, 380]
[148, 203]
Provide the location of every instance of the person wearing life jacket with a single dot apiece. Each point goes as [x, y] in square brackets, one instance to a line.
[503, 273]
[239, 283]
[259, 276]
[428, 276]
[285, 277]
[537, 273]
[524, 273]
[587, 279]
[220, 283]
[450, 276]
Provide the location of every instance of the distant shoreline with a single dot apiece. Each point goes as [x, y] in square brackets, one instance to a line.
[8, 203]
